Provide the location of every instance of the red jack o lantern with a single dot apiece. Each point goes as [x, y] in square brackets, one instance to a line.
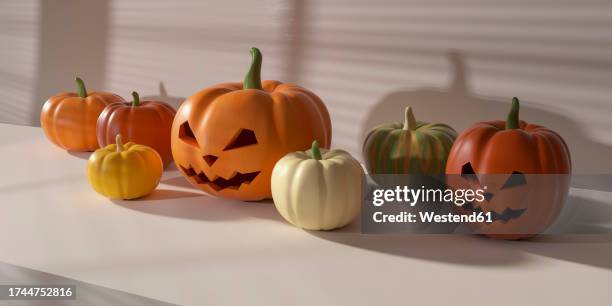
[227, 138]
[526, 169]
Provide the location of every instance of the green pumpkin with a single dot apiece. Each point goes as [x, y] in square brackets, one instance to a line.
[411, 147]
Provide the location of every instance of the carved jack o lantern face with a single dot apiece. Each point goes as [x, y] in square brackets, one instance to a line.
[520, 205]
[229, 156]
[227, 138]
[525, 168]
[243, 138]
[513, 185]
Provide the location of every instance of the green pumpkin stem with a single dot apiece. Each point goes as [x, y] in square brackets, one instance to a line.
[81, 85]
[136, 98]
[316, 153]
[410, 123]
[512, 121]
[252, 80]
[119, 143]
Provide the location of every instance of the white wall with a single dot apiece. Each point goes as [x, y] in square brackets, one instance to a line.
[19, 35]
[454, 60]
[462, 61]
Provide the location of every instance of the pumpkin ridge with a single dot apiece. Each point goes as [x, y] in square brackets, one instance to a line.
[484, 137]
[391, 149]
[304, 114]
[287, 196]
[90, 102]
[59, 110]
[323, 194]
[275, 86]
[160, 141]
[295, 195]
[420, 159]
[377, 145]
[387, 149]
[51, 124]
[555, 145]
[545, 149]
[321, 111]
[99, 167]
[396, 158]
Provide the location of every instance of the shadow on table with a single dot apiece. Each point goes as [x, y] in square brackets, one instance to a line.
[163, 96]
[594, 250]
[584, 216]
[199, 206]
[178, 181]
[81, 155]
[167, 194]
[192, 203]
[570, 244]
[583, 238]
[455, 249]
[86, 293]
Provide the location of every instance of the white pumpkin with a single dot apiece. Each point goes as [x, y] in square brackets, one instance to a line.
[317, 191]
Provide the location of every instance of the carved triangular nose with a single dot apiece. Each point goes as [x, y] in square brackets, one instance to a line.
[210, 159]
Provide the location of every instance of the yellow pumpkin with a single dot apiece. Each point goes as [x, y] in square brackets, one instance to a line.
[128, 171]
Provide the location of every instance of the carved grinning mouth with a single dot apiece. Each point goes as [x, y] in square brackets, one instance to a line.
[505, 216]
[219, 183]
[516, 179]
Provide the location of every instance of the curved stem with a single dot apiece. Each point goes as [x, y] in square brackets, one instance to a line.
[512, 121]
[136, 99]
[316, 153]
[81, 85]
[119, 143]
[252, 80]
[410, 123]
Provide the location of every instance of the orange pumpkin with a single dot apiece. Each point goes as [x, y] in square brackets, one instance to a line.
[69, 119]
[227, 138]
[525, 167]
[147, 123]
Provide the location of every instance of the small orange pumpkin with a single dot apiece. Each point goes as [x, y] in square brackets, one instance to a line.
[227, 138]
[69, 119]
[147, 123]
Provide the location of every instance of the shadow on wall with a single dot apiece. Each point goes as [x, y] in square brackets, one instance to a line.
[579, 240]
[459, 107]
[164, 97]
[68, 46]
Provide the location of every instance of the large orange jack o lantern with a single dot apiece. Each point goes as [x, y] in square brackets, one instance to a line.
[227, 138]
[525, 167]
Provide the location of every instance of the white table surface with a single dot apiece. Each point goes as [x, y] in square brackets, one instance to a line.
[180, 246]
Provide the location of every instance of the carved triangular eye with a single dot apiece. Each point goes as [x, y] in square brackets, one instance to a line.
[515, 179]
[186, 134]
[468, 173]
[242, 139]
